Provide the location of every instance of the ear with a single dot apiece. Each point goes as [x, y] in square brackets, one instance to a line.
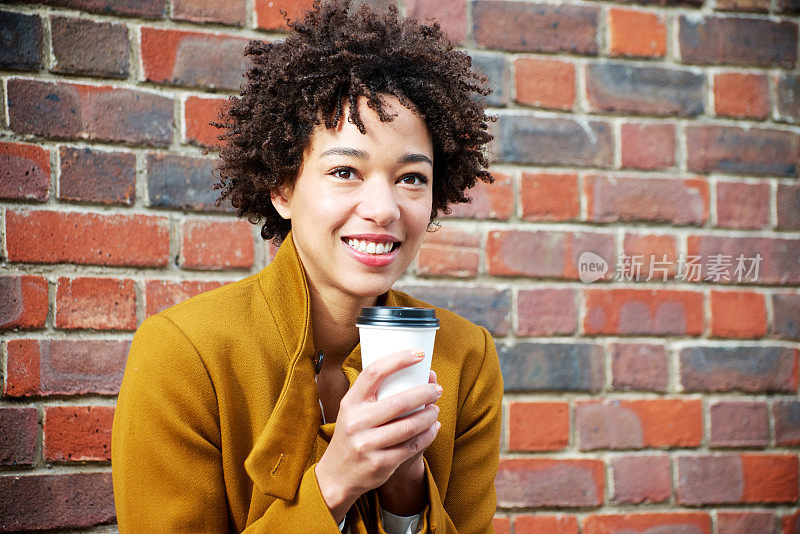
[281, 200]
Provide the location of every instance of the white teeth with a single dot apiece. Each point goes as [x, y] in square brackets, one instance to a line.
[370, 247]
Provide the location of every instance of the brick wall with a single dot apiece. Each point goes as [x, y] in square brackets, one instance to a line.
[661, 129]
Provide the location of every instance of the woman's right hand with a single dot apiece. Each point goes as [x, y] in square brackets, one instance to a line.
[367, 445]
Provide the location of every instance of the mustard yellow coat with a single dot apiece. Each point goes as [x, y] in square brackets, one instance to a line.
[217, 426]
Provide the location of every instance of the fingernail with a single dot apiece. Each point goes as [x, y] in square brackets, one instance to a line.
[438, 425]
[439, 390]
[419, 355]
[437, 408]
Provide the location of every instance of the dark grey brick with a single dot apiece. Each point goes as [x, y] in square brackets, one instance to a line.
[484, 306]
[20, 41]
[551, 367]
[182, 182]
[748, 369]
[646, 90]
[496, 68]
[546, 141]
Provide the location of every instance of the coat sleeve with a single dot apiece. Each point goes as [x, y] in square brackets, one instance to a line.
[166, 447]
[471, 501]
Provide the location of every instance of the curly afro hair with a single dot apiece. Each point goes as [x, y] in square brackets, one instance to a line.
[336, 55]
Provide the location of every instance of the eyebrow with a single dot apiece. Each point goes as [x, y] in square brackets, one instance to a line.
[356, 153]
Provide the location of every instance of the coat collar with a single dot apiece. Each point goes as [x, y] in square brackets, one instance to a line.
[281, 454]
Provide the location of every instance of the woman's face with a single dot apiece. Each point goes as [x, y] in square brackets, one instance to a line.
[361, 202]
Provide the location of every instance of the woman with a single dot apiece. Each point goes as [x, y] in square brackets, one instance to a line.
[347, 140]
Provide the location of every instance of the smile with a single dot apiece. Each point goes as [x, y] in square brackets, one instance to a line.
[372, 247]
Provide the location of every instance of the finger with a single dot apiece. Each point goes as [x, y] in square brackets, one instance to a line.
[385, 410]
[404, 429]
[369, 380]
[432, 377]
[415, 445]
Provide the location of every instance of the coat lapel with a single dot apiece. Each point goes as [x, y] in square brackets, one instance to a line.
[282, 450]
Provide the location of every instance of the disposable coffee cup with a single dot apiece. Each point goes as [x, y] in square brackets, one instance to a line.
[385, 330]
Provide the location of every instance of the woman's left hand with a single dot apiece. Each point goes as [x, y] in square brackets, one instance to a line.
[404, 493]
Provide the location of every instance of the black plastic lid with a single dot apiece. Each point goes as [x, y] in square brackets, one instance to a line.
[397, 316]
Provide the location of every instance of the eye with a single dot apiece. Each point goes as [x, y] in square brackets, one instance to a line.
[344, 173]
[414, 179]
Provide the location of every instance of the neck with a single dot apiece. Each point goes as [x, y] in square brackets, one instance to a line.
[333, 320]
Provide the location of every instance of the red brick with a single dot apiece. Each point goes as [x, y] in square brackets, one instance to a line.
[786, 316]
[753, 369]
[746, 522]
[738, 424]
[488, 201]
[210, 244]
[674, 523]
[18, 435]
[198, 113]
[636, 33]
[450, 252]
[223, 11]
[634, 424]
[544, 254]
[738, 41]
[788, 206]
[651, 257]
[786, 414]
[738, 314]
[161, 294]
[86, 238]
[743, 205]
[676, 201]
[641, 479]
[268, 14]
[742, 5]
[65, 500]
[147, 9]
[551, 524]
[451, 15]
[648, 146]
[639, 366]
[77, 433]
[741, 95]
[502, 525]
[24, 172]
[170, 56]
[94, 176]
[747, 478]
[538, 426]
[787, 87]
[778, 263]
[82, 46]
[742, 150]
[545, 483]
[104, 113]
[546, 312]
[64, 367]
[553, 141]
[96, 303]
[520, 27]
[643, 311]
[621, 87]
[790, 524]
[23, 302]
[545, 83]
[550, 197]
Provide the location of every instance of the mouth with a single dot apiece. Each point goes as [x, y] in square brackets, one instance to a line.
[372, 246]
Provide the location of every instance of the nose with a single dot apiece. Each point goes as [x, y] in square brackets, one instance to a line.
[378, 202]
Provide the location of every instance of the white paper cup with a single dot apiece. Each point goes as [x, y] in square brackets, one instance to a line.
[386, 330]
